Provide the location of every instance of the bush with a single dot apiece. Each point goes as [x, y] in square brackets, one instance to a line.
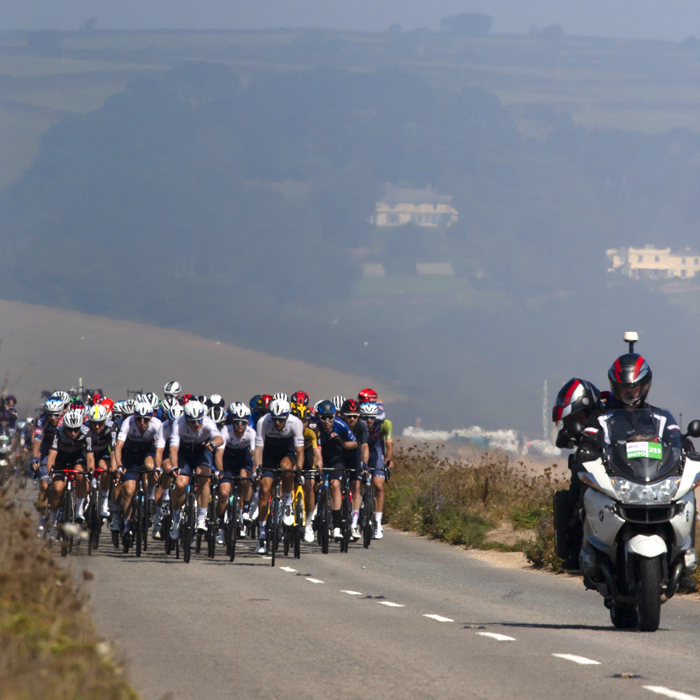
[460, 501]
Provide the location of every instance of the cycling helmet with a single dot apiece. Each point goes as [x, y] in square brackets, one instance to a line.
[78, 405]
[218, 415]
[73, 419]
[128, 407]
[216, 400]
[282, 396]
[576, 395]
[143, 409]
[369, 409]
[300, 397]
[54, 407]
[338, 402]
[195, 410]
[168, 402]
[96, 398]
[107, 403]
[254, 401]
[280, 408]
[63, 395]
[174, 412]
[266, 399]
[325, 409]
[185, 398]
[153, 400]
[238, 411]
[117, 408]
[350, 408]
[202, 399]
[367, 396]
[630, 379]
[141, 398]
[300, 411]
[97, 414]
[172, 389]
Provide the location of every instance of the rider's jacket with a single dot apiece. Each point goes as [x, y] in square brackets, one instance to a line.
[281, 441]
[44, 432]
[164, 433]
[331, 449]
[233, 443]
[136, 440]
[64, 443]
[192, 439]
[105, 440]
[353, 457]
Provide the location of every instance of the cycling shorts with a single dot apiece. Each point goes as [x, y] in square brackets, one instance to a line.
[41, 472]
[187, 460]
[271, 460]
[132, 461]
[103, 454]
[67, 460]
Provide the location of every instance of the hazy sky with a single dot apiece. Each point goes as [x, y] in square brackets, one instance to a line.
[657, 19]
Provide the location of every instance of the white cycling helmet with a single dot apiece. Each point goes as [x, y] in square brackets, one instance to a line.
[97, 413]
[143, 409]
[369, 410]
[238, 410]
[338, 402]
[280, 408]
[218, 415]
[281, 396]
[63, 395]
[195, 410]
[152, 399]
[73, 419]
[128, 407]
[174, 412]
[172, 389]
[54, 407]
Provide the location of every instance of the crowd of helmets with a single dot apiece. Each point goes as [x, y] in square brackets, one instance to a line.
[98, 408]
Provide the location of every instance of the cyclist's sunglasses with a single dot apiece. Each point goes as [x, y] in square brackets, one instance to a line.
[240, 421]
[279, 419]
[72, 430]
[195, 421]
[327, 418]
[142, 419]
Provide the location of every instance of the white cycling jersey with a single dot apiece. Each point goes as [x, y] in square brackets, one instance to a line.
[166, 430]
[293, 431]
[246, 441]
[190, 438]
[132, 436]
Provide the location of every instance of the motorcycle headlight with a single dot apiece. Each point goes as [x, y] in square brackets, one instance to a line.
[662, 492]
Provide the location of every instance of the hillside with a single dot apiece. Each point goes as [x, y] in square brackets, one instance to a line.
[44, 348]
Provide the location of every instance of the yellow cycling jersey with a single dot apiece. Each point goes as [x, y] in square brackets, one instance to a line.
[310, 439]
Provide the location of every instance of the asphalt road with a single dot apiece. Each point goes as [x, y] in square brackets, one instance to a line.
[359, 625]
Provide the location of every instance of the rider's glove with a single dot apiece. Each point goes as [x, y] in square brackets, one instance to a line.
[35, 462]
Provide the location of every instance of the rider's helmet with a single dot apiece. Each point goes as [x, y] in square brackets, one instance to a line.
[216, 400]
[54, 407]
[367, 396]
[63, 395]
[280, 408]
[128, 407]
[338, 402]
[153, 400]
[369, 409]
[195, 410]
[325, 409]
[174, 412]
[143, 409]
[300, 397]
[253, 403]
[266, 400]
[78, 405]
[168, 402]
[117, 408]
[300, 411]
[218, 415]
[11, 397]
[281, 395]
[630, 379]
[238, 411]
[350, 408]
[141, 398]
[107, 403]
[73, 419]
[575, 396]
[172, 389]
[97, 413]
[185, 398]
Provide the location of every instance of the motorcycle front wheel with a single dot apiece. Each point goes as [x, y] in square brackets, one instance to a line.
[649, 594]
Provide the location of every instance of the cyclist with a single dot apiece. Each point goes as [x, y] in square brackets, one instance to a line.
[355, 459]
[193, 440]
[44, 432]
[136, 448]
[172, 390]
[215, 400]
[312, 462]
[67, 451]
[234, 458]
[218, 415]
[381, 454]
[163, 465]
[300, 397]
[370, 396]
[103, 438]
[279, 439]
[336, 438]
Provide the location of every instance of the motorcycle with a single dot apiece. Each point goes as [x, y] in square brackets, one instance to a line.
[638, 517]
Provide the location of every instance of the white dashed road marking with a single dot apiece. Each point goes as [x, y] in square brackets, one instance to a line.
[391, 605]
[497, 637]
[287, 568]
[352, 592]
[578, 659]
[660, 690]
[439, 618]
[313, 580]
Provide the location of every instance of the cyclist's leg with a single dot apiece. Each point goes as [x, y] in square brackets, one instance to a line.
[55, 497]
[202, 488]
[287, 483]
[378, 479]
[245, 489]
[82, 484]
[336, 500]
[43, 477]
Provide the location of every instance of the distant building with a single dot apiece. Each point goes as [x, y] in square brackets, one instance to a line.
[654, 263]
[401, 205]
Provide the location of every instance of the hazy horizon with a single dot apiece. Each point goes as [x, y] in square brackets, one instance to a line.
[626, 19]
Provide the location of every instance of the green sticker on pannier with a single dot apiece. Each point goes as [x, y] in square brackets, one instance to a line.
[650, 450]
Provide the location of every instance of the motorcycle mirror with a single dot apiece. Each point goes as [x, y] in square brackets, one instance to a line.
[694, 429]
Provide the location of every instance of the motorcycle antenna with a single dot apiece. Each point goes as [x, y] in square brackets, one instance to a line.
[631, 337]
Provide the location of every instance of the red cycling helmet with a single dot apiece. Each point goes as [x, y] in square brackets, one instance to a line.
[185, 398]
[265, 399]
[300, 397]
[367, 396]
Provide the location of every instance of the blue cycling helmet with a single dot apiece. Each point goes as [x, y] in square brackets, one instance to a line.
[325, 409]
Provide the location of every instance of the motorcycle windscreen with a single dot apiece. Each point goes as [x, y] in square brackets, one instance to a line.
[636, 450]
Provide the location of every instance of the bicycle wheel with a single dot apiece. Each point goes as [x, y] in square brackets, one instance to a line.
[212, 522]
[91, 520]
[138, 517]
[166, 523]
[188, 528]
[68, 519]
[145, 522]
[273, 535]
[298, 522]
[367, 515]
[345, 521]
[324, 512]
[232, 526]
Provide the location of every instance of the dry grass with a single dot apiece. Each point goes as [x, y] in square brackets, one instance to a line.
[459, 501]
[48, 647]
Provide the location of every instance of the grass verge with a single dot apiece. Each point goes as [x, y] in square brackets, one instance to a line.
[48, 646]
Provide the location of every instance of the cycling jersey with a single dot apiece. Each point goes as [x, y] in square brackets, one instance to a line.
[164, 433]
[104, 441]
[65, 444]
[237, 450]
[44, 433]
[278, 444]
[193, 439]
[310, 439]
[381, 433]
[138, 441]
[331, 450]
[353, 458]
